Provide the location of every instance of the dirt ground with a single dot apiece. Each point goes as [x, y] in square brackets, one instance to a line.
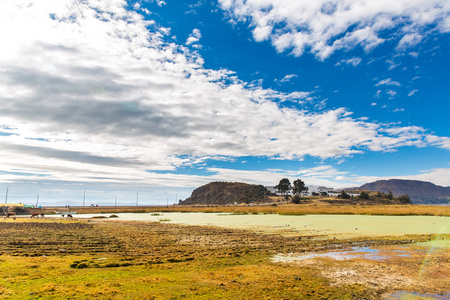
[410, 267]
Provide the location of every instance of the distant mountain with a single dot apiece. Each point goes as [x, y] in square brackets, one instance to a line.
[223, 193]
[418, 191]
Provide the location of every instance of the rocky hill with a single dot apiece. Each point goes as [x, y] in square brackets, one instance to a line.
[223, 193]
[419, 191]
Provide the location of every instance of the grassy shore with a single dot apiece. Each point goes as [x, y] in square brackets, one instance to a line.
[74, 259]
[314, 207]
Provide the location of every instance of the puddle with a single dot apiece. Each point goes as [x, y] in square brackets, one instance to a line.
[415, 296]
[356, 253]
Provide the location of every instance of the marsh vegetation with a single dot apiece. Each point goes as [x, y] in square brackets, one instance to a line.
[112, 259]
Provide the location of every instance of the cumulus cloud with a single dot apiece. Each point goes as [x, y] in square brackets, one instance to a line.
[92, 92]
[323, 26]
[194, 37]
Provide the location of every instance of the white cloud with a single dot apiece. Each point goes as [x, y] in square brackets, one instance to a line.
[352, 61]
[392, 64]
[194, 37]
[388, 81]
[287, 78]
[323, 26]
[409, 40]
[91, 92]
[377, 94]
[412, 93]
[391, 93]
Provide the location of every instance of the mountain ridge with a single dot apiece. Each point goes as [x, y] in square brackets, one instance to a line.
[420, 192]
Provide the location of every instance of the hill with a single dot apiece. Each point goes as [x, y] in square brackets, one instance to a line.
[223, 193]
[420, 192]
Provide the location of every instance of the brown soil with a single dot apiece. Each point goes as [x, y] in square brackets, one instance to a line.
[416, 270]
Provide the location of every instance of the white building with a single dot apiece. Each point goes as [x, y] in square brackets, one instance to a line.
[311, 189]
[318, 190]
[274, 189]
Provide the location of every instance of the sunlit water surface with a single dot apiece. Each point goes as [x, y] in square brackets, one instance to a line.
[331, 225]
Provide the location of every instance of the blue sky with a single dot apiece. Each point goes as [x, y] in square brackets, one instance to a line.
[160, 97]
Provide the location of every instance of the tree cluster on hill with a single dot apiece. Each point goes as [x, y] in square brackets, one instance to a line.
[379, 197]
[297, 187]
[224, 193]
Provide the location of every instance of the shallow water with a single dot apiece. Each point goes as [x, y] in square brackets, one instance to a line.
[356, 252]
[331, 225]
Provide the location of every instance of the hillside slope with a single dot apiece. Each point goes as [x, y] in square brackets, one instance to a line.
[418, 191]
[223, 193]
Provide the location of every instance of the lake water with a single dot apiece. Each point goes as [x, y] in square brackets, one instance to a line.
[332, 225]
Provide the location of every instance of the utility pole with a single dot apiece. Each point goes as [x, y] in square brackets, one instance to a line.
[84, 196]
[6, 197]
[167, 201]
[37, 200]
[137, 199]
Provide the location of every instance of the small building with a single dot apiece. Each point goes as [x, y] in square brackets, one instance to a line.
[312, 189]
[274, 190]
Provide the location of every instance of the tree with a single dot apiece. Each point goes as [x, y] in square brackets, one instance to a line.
[364, 195]
[284, 186]
[390, 196]
[296, 199]
[405, 199]
[344, 195]
[298, 187]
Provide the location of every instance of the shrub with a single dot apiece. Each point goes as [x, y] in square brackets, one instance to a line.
[296, 199]
[405, 199]
[364, 195]
[344, 195]
[390, 196]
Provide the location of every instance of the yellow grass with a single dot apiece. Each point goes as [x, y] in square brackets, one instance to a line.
[282, 209]
[60, 259]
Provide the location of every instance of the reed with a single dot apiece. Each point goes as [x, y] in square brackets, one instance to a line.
[283, 209]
